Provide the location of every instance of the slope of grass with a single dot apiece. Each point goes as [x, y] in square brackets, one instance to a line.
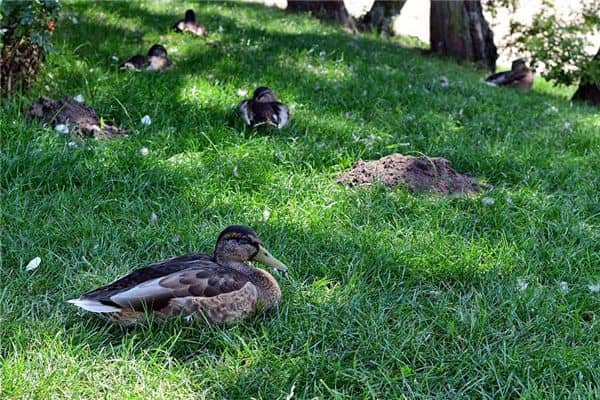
[390, 294]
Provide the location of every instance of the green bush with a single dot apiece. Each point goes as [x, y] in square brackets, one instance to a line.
[26, 28]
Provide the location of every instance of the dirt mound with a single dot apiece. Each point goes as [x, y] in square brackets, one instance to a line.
[80, 119]
[421, 174]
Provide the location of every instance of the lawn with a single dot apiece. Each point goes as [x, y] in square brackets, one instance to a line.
[390, 294]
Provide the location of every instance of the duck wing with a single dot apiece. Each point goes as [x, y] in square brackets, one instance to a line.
[498, 78]
[134, 63]
[151, 287]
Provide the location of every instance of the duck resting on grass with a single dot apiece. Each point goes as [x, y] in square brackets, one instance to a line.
[156, 60]
[222, 288]
[189, 24]
[519, 76]
[264, 108]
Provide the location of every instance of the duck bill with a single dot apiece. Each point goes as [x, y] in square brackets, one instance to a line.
[264, 257]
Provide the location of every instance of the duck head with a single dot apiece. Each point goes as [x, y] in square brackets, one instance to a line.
[190, 16]
[519, 63]
[157, 50]
[240, 244]
[157, 58]
[263, 94]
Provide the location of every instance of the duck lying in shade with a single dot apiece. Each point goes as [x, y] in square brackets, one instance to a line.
[156, 60]
[264, 108]
[189, 24]
[223, 287]
[520, 77]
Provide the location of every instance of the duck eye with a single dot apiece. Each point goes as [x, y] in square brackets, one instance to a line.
[243, 241]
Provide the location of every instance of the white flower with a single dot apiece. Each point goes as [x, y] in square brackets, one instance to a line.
[33, 264]
[266, 214]
[522, 284]
[72, 144]
[146, 120]
[242, 92]
[153, 218]
[488, 201]
[62, 128]
[594, 288]
[144, 151]
[564, 287]
[79, 98]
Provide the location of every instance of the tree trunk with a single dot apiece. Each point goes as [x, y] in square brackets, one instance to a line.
[325, 10]
[380, 16]
[589, 88]
[458, 29]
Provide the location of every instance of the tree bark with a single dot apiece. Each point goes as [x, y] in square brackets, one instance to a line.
[589, 88]
[379, 17]
[458, 29]
[325, 10]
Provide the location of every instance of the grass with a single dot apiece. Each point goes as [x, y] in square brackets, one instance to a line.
[390, 294]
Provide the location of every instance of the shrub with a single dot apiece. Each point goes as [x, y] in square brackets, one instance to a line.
[26, 28]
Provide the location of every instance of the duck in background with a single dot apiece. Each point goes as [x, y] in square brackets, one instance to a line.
[156, 60]
[519, 76]
[190, 24]
[264, 108]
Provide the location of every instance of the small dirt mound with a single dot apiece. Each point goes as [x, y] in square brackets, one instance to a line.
[81, 120]
[420, 174]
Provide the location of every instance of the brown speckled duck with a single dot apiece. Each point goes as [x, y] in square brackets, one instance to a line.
[223, 287]
[264, 108]
[520, 77]
[189, 24]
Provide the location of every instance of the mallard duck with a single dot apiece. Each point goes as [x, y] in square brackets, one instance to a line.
[155, 60]
[264, 108]
[135, 63]
[520, 76]
[158, 59]
[222, 287]
[189, 24]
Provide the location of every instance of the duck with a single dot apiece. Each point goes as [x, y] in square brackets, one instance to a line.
[135, 63]
[158, 58]
[519, 76]
[189, 24]
[155, 60]
[221, 288]
[264, 108]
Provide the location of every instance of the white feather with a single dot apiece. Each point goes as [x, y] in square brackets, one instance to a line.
[243, 110]
[284, 116]
[93, 306]
[145, 291]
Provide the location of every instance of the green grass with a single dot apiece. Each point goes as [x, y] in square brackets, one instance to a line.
[390, 294]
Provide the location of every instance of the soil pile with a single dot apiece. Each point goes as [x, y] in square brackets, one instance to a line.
[420, 174]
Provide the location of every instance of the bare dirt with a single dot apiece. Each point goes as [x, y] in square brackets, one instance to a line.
[420, 174]
[82, 120]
